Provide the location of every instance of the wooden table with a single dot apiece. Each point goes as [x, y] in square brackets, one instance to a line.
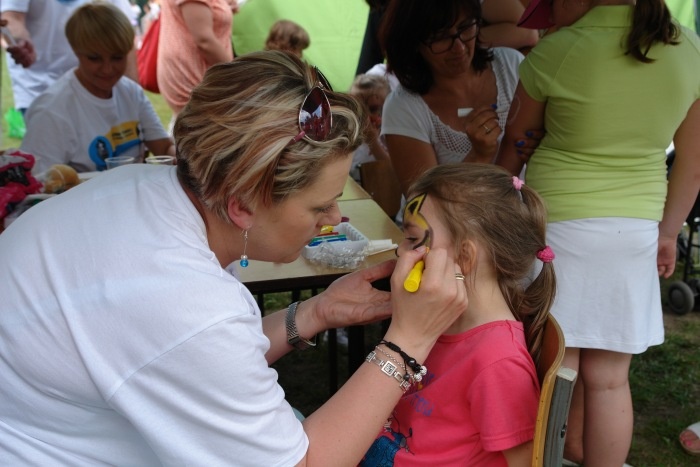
[262, 278]
[364, 214]
[353, 190]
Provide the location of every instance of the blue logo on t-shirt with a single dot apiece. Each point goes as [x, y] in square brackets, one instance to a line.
[100, 149]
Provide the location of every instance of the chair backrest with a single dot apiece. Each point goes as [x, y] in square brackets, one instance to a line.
[557, 385]
[379, 180]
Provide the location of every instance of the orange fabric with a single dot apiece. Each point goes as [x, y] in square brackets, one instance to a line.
[180, 65]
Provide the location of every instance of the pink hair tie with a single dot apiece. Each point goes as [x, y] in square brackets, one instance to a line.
[546, 255]
[517, 183]
[298, 137]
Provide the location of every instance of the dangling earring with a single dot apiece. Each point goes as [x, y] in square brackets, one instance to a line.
[244, 257]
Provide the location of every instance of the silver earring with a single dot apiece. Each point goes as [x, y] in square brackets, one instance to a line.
[244, 257]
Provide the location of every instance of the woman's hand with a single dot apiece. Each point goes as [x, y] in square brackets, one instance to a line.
[526, 145]
[23, 53]
[352, 300]
[666, 256]
[420, 317]
[483, 131]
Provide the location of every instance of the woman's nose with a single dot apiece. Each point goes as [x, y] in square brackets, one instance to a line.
[332, 217]
[458, 45]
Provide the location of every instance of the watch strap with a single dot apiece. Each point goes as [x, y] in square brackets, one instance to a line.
[293, 336]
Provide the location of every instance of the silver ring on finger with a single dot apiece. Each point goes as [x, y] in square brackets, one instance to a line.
[487, 129]
[459, 276]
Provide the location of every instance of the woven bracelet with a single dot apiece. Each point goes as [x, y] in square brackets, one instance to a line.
[411, 362]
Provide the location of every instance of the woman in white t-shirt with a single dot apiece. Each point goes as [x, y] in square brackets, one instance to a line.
[126, 337]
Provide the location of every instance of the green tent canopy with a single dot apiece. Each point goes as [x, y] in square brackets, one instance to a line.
[336, 29]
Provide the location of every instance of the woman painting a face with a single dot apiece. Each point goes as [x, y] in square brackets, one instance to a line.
[152, 341]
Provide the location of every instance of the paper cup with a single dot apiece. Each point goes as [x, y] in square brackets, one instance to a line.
[118, 161]
[160, 160]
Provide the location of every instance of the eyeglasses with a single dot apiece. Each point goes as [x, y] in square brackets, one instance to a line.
[315, 118]
[465, 34]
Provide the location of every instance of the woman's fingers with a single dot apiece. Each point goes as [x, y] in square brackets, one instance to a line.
[423, 315]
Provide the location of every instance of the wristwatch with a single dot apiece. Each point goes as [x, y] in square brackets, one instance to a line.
[293, 337]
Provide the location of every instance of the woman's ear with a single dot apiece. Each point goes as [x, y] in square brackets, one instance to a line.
[240, 214]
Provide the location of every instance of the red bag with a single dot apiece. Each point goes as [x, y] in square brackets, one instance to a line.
[147, 58]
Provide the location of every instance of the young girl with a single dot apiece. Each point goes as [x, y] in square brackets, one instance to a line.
[371, 90]
[477, 404]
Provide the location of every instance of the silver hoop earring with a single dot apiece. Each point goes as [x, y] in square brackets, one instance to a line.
[244, 257]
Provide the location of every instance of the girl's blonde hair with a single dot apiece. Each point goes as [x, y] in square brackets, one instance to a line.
[235, 136]
[479, 202]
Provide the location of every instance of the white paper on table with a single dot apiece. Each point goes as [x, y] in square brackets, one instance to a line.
[380, 246]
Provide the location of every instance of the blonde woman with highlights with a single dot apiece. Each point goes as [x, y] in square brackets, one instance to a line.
[154, 344]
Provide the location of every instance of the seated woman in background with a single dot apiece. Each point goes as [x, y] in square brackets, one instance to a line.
[93, 112]
[435, 51]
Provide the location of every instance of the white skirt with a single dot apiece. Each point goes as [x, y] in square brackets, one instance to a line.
[608, 291]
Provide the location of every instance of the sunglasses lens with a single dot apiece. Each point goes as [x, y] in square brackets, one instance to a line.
[315, 115]
[413, 217]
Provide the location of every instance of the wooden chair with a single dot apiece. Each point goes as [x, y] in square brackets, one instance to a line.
[379, 180]
[557, 385]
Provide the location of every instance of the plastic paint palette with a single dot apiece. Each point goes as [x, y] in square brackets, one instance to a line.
[354, 244]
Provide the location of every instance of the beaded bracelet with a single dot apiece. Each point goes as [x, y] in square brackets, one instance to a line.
[411, 362]
[389, 369]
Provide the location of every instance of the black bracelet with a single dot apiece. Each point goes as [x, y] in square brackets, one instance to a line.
[411, 362]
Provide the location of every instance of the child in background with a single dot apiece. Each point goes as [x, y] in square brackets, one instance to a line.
[287, 36]
[477, 404]
[372, 91]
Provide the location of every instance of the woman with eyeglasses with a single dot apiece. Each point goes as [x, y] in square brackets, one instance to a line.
[454, 93]
[126, 337]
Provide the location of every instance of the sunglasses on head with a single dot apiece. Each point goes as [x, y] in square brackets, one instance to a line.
[315, 118]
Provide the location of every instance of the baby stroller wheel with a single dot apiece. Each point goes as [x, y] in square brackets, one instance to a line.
[681, 298]
[694, 284]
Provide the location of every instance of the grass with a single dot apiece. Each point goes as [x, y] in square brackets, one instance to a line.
[665, 384]
[665, 380]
